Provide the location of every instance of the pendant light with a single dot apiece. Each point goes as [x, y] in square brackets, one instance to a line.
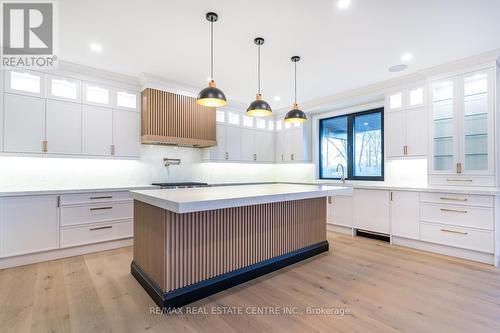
[259, 107]
[211, 96]
[295, 115]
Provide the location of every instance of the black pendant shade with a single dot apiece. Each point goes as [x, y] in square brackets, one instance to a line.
[211, 96]
[259, 107]
[295, 115]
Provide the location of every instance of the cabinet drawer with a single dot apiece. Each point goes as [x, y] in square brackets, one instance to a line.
[86, 198]
[472, 239]
[457, 199]
[474, 217]
[85, 214]
[88, 234]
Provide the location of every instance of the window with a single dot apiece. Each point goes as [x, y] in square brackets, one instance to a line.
[357, 142]
[97, 94]
[64, 88]
[247, 121]
[25, 82]
[220, 116]
[396, 101]
[126, 100]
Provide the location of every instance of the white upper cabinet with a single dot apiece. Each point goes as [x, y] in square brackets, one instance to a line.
[66, 139]
[293, 142]
[463, 129]
[24, 124]
[406, 123]
[126, 133]
[42, 113]
[1, 109]
[24, 82]
[248, 145]
[63, 89]
[233, 143]
[97, 125]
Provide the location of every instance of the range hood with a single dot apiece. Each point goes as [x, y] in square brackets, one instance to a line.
[173, 119]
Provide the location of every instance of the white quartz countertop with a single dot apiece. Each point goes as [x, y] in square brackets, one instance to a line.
[415, 188]
[26, 192]
[187, 200]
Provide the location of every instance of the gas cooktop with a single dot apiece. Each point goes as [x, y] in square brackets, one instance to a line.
[180, 185]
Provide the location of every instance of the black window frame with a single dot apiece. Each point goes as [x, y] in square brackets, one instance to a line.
[350, 151]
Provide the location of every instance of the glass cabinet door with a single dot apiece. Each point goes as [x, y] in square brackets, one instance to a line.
[476, 129]
[443, 126]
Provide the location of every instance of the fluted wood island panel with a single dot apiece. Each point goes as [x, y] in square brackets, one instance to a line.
[182, 257]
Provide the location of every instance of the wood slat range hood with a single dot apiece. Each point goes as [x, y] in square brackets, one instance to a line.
[174, 119]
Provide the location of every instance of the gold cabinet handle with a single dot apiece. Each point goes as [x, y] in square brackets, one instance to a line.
[454, 232]
[101, 228]
[291, 157]
[282, 158]
[459, 168]
[330, 200]
[459, 180]
[255, 157]
[454, 199]
[453, 210]
[100, 208]
[45, 146]
[391, 196]
[102, 197]
[113, 149]
[226, 155]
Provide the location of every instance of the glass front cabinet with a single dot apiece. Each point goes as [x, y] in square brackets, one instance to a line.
[463, 129]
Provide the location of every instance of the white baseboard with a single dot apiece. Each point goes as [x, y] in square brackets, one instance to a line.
[27, 259]
[340, 229]
[446, 250]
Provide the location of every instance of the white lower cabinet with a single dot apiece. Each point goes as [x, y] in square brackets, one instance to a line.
[339, 211]
[95, 233]
[371, 210]
[24, 124]
[126, 133]
[97, 136]
[67, 138]
[405, 214]
[28, 224]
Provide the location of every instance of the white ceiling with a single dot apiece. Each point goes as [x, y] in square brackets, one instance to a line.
[340, 50]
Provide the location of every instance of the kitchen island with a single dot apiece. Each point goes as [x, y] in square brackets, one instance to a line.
[193, 242]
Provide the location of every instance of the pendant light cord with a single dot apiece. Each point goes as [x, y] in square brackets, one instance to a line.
[211, 50]
[295, 83]
[258, 66]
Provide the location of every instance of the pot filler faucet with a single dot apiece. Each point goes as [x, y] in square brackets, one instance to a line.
[342, 176]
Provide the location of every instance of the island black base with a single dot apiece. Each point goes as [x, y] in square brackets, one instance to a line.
[183, 296]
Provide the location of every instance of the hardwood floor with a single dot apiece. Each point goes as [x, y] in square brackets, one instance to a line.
[380, 287]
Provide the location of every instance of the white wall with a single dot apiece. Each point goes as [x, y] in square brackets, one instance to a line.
[31, 173]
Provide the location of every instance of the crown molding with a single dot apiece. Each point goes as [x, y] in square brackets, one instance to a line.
[377, 91]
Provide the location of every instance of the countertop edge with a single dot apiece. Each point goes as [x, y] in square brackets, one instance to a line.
[204, 205]
[75, 190]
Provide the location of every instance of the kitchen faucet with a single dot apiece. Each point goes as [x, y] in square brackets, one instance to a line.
[342, 176]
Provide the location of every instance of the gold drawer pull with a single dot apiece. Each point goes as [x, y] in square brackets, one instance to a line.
[454, 232]
[459, 180]
[453, 199]
[101, 228]
[103, 197]
[100, 208]
[453, 210]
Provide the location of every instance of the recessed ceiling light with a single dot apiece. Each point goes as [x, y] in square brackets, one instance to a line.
[406, 57]
[343, 4]
[277, 98]
[95, 47]
[398, 68]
